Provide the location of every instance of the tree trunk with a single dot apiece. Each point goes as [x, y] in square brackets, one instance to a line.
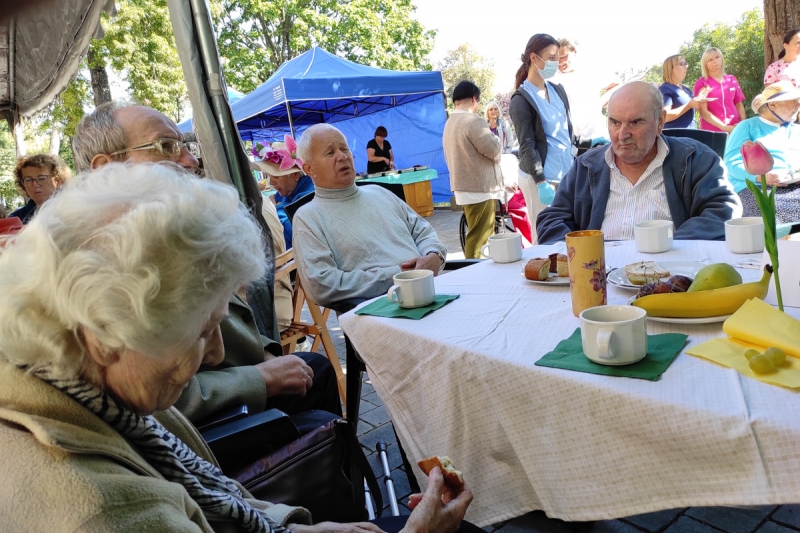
[18, 131]
[55, 140]
[100, 86]
[780, 16]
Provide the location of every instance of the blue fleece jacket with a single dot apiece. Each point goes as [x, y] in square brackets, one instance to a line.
[699, 195]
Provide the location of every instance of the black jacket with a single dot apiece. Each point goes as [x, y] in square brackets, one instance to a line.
[530, 133]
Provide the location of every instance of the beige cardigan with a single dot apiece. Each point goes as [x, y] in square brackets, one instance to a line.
[472, 153]
[65, 470]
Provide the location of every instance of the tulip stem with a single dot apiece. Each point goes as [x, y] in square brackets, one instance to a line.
[769, 214]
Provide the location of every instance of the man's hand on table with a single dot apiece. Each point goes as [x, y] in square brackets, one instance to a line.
[426, 262]
[440, 509]
[287, 374]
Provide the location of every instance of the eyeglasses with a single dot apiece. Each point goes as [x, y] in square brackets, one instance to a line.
[166, 147]
[41, 179]
[683, 64]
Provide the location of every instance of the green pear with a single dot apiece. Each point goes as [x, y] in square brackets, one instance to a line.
[715, 276]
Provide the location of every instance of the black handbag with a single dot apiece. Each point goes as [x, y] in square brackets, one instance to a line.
[322, 471]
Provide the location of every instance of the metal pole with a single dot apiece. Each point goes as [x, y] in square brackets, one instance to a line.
[215, 86]
[381, 447]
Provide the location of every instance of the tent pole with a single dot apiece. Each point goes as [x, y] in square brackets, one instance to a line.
[291, 122]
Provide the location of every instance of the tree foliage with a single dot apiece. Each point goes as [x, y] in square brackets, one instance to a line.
[256, 36]
[464, 63]
[9, 196]
[742, 46]
[140, 45]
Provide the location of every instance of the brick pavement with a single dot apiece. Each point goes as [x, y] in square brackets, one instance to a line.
[374, 425]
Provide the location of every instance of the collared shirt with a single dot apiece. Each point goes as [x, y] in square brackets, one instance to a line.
[629, 204]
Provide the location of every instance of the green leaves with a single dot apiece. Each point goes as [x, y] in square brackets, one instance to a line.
[464, 63]
[766, 204]
[742, 46]
[139, 44]
[256, 36]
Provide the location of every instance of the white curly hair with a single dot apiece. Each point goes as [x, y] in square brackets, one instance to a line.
[139, 255]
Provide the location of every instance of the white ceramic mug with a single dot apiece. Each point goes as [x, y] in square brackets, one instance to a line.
[653, 236]
[413, 288]
[614, 334]
[745, 235]
[503, 247]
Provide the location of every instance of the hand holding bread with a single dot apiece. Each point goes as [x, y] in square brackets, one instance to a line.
[442, 507]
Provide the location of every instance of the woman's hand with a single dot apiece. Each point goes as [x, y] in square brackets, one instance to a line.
[440, 509]
[772, 179]
[333, 527]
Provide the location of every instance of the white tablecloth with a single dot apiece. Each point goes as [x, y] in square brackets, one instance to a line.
[461, 382]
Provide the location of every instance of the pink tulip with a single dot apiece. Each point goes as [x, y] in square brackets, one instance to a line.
[757, 159]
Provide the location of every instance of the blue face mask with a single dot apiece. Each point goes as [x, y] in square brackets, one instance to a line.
[549, 70]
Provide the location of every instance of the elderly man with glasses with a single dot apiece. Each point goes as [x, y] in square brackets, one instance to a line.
[251, 372]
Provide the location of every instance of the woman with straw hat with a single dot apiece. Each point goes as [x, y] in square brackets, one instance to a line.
[775, 128]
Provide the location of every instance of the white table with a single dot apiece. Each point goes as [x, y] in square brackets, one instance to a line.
[461, 382]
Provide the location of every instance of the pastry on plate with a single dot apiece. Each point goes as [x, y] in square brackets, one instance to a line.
[643, 272]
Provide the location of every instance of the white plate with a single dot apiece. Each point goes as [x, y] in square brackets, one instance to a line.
[619, 277]
[676, 320]
[552, 280]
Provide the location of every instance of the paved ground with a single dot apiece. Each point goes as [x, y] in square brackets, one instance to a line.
[374, 426]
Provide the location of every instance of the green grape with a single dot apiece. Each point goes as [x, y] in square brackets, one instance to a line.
[761, 364]
[777, 355]
[750, 352]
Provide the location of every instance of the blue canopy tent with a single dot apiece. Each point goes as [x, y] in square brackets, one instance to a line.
[320, 87]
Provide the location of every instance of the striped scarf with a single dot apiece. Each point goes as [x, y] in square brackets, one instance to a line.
[217, 495]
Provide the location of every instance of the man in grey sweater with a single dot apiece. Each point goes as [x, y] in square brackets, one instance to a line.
[350, 241]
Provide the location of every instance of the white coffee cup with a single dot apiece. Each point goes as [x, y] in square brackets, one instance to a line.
[413, 288]
[614, 334]
[745, 235]
[653, 236]
[503, 247]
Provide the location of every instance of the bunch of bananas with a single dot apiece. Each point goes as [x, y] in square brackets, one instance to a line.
[714, 302]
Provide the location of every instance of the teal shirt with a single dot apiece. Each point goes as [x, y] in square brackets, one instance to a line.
[783, 143]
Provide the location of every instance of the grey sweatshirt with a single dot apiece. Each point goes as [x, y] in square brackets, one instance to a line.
[350, 242]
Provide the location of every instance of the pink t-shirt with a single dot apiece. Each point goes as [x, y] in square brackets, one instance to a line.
[781, 70]
[727, 94]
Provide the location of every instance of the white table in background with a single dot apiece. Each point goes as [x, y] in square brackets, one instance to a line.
[462, 382]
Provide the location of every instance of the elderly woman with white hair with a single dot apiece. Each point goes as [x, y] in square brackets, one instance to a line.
[110, 300]
[775, 128]
[499, 126]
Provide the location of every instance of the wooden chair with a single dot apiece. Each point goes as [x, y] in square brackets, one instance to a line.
[317, 328]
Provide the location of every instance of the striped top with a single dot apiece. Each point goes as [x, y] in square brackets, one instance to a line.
[629, 203]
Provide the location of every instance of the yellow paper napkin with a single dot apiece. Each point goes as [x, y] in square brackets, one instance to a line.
[756, 325]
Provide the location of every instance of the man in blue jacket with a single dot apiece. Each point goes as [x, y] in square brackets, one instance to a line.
[642, 176]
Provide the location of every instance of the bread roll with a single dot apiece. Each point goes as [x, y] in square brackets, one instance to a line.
[452, 477]
[538, 269]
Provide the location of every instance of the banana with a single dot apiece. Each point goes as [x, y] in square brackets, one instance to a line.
[714, 302]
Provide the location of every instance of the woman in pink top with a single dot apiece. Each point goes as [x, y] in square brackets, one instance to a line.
[786, 67]
[725, 108]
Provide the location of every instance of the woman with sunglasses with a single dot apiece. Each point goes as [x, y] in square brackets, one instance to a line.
[38, 176]
[679, 101]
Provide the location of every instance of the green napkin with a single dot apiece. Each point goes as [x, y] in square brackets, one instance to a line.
[383, 307]
[661, 351]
